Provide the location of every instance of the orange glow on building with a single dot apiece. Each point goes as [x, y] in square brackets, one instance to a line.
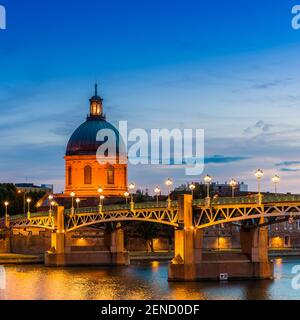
[84, 174]
[277, 242]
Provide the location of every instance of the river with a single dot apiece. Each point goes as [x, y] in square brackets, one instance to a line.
[141, 280]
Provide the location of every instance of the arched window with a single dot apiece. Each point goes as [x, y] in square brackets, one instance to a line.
[69, 176]
[87, 175]
[111, 175]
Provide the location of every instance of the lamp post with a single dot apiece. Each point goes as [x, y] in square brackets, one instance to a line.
[126, 195]
[50, 203]
[24, 200]
[53, 204]
[6, 203]
[208, 180]
[233, 183]
[100, 191]
[276, 180]
[169, 183]
[157, 191]
[131, 188]
[101, 203]
[72, 194]
[28, 207]
[78, 202]
[259, 174]
[192, 187]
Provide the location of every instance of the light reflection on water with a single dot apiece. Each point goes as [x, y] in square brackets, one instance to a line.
[138, 281]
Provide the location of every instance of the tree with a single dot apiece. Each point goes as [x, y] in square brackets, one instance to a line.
[148, 231]
[8, 192]
[200, 191]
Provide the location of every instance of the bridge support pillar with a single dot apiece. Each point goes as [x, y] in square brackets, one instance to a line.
[188, 244]
[56, 255]
[118, 253]
[192, 264]
[254, 244]
[5, 241]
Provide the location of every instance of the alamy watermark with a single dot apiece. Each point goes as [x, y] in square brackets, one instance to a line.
[2, 278]
[175, 147]
[2, 18]
[296, 18]
[296, 278]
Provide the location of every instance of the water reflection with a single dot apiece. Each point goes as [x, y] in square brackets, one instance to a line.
[139, 281]
[278, 268]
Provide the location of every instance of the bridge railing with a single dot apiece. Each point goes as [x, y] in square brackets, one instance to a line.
[227, 200]
[32, 215]
[281, 198]
[117, 207]
[249, 200]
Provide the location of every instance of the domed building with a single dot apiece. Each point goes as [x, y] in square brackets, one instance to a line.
[86, 168]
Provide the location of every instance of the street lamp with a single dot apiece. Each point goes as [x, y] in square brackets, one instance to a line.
[157, 192]
[259, 174]
[100, 191]
[208, 180]
[101, 203]
[233, 183]
[276, 180]
[192, 187]
[169, 183]
[126, 195]
[131, 188]
[24, 199]
[6, 203]
[72, 194]
[50, 202]
[77, 202]
[28, 210]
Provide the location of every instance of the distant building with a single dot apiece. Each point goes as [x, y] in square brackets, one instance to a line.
[31, 187]
[225, 190]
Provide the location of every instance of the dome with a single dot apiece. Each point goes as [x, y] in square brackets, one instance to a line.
[83, 141]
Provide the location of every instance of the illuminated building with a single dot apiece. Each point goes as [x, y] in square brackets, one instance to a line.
[84, 172]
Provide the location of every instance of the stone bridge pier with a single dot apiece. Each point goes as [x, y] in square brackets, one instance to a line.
[190, 263]
[5, 238]
[62, 255]
[5, 241]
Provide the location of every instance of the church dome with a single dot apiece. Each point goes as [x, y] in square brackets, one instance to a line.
[84, 139]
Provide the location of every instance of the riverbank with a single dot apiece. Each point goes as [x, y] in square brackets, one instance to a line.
[13, 258]
[169, 255]
[283, 252]
[159, 255]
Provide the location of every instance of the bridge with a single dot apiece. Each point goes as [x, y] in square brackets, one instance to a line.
[219, 211]
[188, 217]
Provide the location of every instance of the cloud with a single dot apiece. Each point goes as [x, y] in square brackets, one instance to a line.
[259, 127]
[286, 166]
[289, 170]
[224, 159]
[287, 163]
[267, 85]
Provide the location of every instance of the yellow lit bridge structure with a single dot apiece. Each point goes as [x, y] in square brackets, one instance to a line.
[188, 217]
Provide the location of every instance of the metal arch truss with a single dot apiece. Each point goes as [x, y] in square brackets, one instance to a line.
[45, 222]
[205, 217]
[160, 215]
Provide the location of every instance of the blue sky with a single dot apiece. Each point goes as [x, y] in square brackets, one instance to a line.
[229, 67]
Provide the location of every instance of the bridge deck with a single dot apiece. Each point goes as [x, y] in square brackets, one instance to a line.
[221, 210]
